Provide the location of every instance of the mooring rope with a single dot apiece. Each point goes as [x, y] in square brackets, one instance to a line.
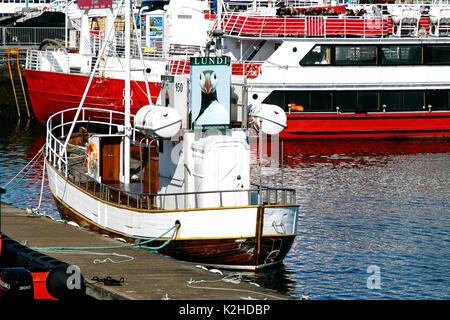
[229, 278]
[140, 245]
[35, 160]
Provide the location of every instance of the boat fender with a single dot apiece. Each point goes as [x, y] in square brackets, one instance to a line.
[252, 70]
[66, 282]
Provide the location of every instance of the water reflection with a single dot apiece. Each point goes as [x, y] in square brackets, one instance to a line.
[361, 203]
[19, 143]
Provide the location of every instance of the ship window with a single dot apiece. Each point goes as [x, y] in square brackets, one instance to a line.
[438, 54]
[277, 98]
[320, 101]
[313, 101]
[345, 100]
[354, 101]
[438, 99]
[402, 100]
[355, 55]
[401, 55]
[367, 101]
[319, 55]
[298, 101]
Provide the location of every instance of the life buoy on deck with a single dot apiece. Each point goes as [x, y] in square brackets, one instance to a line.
[252, 70]
[92, 156]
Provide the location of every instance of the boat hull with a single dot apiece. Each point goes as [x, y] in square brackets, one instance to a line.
[246, 238]
[51, 92]
[368, 125]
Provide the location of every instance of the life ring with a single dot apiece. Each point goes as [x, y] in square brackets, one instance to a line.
[92, 155]
[252, 70]
[45, 9]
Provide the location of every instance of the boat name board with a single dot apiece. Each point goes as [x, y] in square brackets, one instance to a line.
[207, 61]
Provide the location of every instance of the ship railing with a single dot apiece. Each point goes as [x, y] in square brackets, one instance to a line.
[58, 126]
[397, 2]
[181, 201]
[29, 35]
[387, 20]
[53, 61]
[304, 26]
[148, 47]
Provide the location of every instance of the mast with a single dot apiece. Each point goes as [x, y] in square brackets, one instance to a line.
[127, 95]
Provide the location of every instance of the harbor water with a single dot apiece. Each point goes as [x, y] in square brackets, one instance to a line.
[374, 216]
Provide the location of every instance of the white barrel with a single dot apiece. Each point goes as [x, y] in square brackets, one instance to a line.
[162, 122]
[268, 118]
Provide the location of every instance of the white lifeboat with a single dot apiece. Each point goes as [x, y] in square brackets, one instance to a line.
[268, 118]
[162, 122]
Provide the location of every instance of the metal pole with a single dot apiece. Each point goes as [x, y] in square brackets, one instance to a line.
[66, 25]
[127, 95]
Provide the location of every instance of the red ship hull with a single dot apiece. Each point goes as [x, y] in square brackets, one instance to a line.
[51, 92]
[371, 125]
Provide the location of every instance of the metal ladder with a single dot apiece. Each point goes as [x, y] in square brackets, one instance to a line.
[17, 82]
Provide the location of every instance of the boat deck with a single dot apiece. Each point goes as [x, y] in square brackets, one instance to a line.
[147, 275]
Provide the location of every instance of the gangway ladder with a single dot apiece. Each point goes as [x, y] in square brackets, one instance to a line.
[17, 83]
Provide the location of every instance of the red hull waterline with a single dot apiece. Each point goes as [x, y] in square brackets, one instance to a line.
[51, 92]
[368, 125]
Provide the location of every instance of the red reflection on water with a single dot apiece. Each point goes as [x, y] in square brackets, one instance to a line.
[337, 151]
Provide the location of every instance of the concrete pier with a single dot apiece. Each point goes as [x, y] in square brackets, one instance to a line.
[146, 275]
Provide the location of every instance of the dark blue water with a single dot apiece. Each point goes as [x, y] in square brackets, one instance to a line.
[374, 216]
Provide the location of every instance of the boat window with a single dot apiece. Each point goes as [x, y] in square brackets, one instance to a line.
[354, 101]
[355, 55]
[401, 55]
[319, 55]
[345, 100]
[298, 101]
[437, 99]
[367, 102]
[402, 100]
[320, 101]
[276, 98]
[437, 54]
